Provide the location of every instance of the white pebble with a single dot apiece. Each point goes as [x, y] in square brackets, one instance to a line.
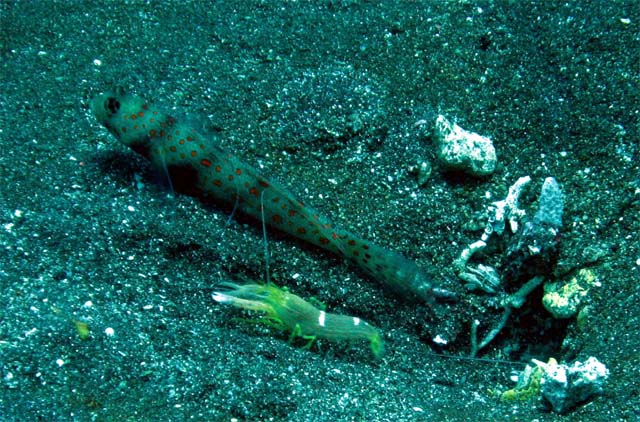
[459, 149]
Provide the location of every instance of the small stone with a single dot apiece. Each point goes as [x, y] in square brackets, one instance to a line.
[563, 300]
[422, 172]
[564, 386]
[459, 149]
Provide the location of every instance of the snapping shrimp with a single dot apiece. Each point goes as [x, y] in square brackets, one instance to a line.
[289, 312]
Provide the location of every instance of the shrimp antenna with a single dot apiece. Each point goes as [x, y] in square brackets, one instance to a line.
[264, 238]
[235, 207]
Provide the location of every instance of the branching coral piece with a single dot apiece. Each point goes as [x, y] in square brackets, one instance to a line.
[530, 252]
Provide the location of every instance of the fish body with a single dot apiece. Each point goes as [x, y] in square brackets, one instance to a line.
[198, 166]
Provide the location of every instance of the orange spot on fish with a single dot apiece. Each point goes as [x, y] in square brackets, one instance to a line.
[218, 169]
[334, 235]
[263, 183]
[205, 162]
[276, 219]
[181, 141]
[177, 132]
[301, 230]
[230, 177]
[172, 148]
[253, 191]
[193, 153]
[189, 138]
[292, 213]
[324, 240]
[155, 112]
[238, 172]
[170, 138]
[133, 117]
[217, 182]
[152, 133]
[351, 242]
[140, 114]
[145, 107]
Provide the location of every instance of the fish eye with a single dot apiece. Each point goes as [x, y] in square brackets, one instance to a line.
[112, 104]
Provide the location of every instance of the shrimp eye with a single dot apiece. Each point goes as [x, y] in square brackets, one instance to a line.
[112, 104]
